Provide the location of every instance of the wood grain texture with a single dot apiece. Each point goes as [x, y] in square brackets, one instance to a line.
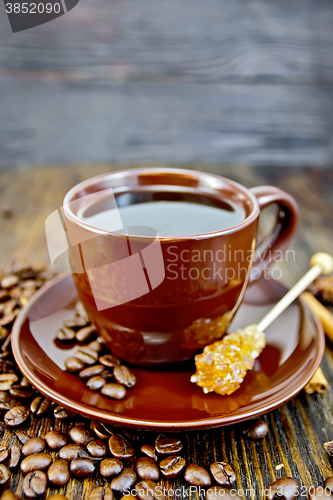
[298, 429]
[188, 41]
[220, 81]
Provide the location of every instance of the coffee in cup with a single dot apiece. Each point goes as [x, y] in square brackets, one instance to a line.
[161, 257]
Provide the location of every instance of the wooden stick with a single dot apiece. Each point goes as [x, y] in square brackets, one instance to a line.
[318, 383]
[325, 317]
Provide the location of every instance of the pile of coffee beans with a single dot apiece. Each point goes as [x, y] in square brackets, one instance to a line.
[120, 461]
[94, 364]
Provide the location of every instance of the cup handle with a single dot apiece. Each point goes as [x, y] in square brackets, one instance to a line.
[284, 230]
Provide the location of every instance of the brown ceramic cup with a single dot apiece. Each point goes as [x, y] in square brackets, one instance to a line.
[158, 299]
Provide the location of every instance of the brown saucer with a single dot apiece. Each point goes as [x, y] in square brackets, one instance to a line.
[167, 400]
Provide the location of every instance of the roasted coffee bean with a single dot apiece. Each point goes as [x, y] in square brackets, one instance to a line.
[16, 416]
[124, 376]
[147, 490]
[197, 476]
[57, 497]
[223, 473]
[110, 467]
[19, 392]
[15, 455]
[28, 274]
[25, 382]
[101, 341]
[74, 364]
[8, 366]
[34, 445]
[168, 445]
[82, 467]
[319, 493]
[95, 346]
[58, 472]
[7, 403]
[4, 295]
[8, 319]
[146, 468]
[97, 448]
[85, 333]
[91, 371]
[56, 440]
[71, 451]
[101, 430]
[77, 322]
[4, 396]
[114, 391]
[4, 352]
[60, 413]
[286, 487]
[95, 383]
[16, 292]
[125, 481]
[109, 360]
[9, 495]
[222, 494]
[329, 484]
[80, 435]
[101, 493]
[107, 373]
[65, 335]
[257, 429]
[86, 355]
[22, 437]
[4, 453]
[149, 451]
[7, 380]
[80, 310]
[38, 461]
[29, 281]
[40, 405]
[4, 355]
[34, 484]
[9, 306]
[120, 447]
[9, 281]
[4, 474]
[172, 466]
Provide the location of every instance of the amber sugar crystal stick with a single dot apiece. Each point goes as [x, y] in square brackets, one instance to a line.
[222, 366]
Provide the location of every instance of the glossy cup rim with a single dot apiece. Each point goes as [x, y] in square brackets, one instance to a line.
[254, 214]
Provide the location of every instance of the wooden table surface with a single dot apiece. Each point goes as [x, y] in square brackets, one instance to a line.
[298, 429]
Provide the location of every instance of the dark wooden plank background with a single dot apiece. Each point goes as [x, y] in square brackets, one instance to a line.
[229, 81]
[298, 429]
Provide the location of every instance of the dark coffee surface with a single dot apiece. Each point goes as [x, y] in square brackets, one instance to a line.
[183, 215]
